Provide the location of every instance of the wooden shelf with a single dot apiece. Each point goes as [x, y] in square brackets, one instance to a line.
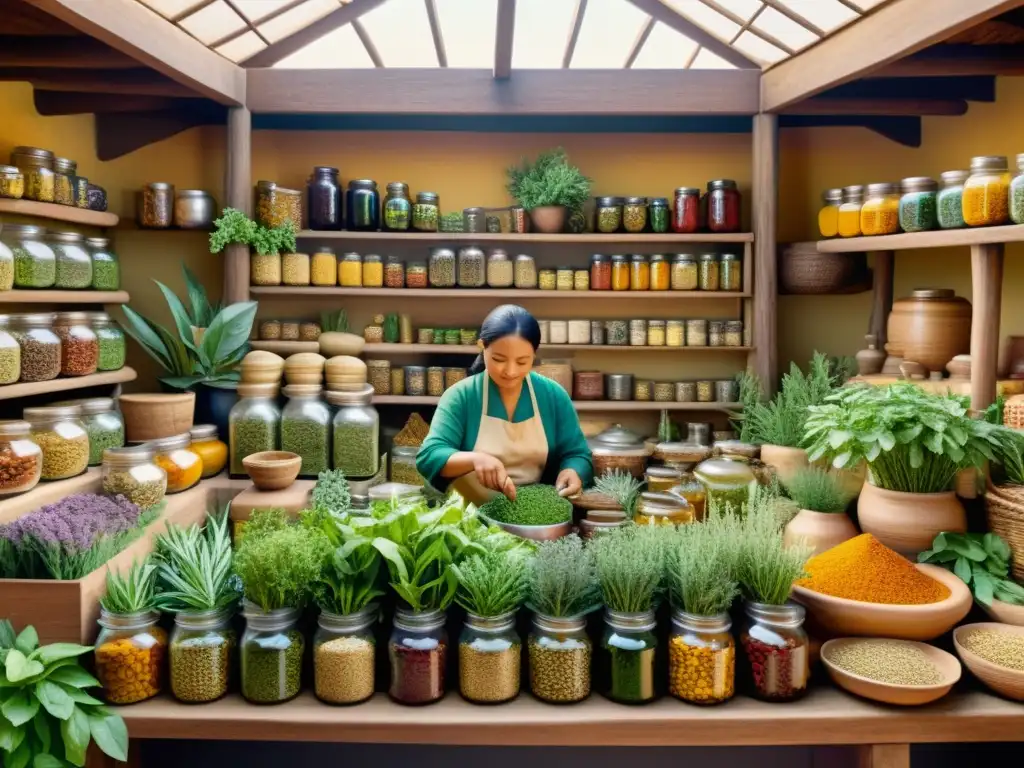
[494, 293]
[285, 347]
[942, 238]
[27, 389]
[24, 296]
[581, 405]
[471, 349]
[506, 237]
[826, 716]
[54, 212]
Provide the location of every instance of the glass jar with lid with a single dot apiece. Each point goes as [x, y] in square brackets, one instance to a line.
[35, 264]
[661, 272]
[397, 213]
[918, 202]
[658, 215]
[950, 213]
[662, 509]
[489, 658]
[403, 465]
[620, 272]
[276, 205]
[472, 267]
[265, 268]
[564, 279]
[442, 268]
[156, 205]
[525, 272]
[74, 265]
[373, 271]
[36, 165]
[344, 656]
[20, 458]
[356, 443]
[254, 424]
[986, 192]
[362, 206]
[350, 271]
[203, 645]
[12, 182]
[210, 448]
[500, 270]
[662, 479]
[6, 267]
[132, 473]
[728, 481]
[40, 346]
[130, 656]
[686, 211]
[174, 455]
[426, 212]
[634, 214]
[701, 658]
[111, 342]
[730, 273]
[639, 273]
[1016, 193]
[10, 354]
[880, 213]
[600, 273]
[546, 280]
[417, 651]
[323, 199]
[723, 206]
[828, 214]
[64, 171]
[104, 425]
[559, 658]
[608, 214]
[306, 427]
[708, 272]
[618, 448]
[474, 220]
[271, 654]
[58, 430]
[777, 650]
[106, 268]
[323, 267]
[685, 275]
[295, 269]
[849, 211]
[626, 658]
[79, 346]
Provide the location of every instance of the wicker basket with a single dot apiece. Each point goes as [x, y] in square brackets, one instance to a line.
[1004, 506]
[559, 371]
[1013, 412]
[803, 270]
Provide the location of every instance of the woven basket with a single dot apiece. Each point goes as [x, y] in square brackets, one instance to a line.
[1004, 506]
[1013, 412]
[803, 270]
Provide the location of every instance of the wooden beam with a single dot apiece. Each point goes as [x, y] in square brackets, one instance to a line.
[435, 33]
[364, 38]
[138, 32]
[245, 19]
[638, 44]
[504, 33]
[881, 299]
[531, 92]
[792, 15]
[684, 26]
[299, 39]
[884, 756]
[238, 190]
[140, 82]
[258, 22]
[58, 51]
[893, 31]
[765, 189]
[51, 103]
[747, 25]
[574, 32]
[119, 133]
[986, 307]
[822, 105]
[958, 60]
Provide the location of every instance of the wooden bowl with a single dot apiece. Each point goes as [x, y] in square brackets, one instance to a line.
[1008, 682]
[892, 693]
[839, 617]
[152, 416]
[272, 470]
[1005, 613]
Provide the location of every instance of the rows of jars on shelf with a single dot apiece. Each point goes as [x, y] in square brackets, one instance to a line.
[159, 206]
[982, 197]
[34, 257]
[43, 346]
[471, 267]
[37, 174]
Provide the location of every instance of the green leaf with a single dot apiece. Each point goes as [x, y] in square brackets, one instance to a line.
[10, 736]
[74, 676]
[75, 731]
[229, 330]
[969, 549]
[110, 734]
[20, 708]
[179, 315]
[19, 667]
[6, 634]
[21, 757]
[46, 761]
[202, 312]
[182, 382]
[58, 651]
[963, 570]
[54, 699]
[140, 329]
[995, 545]
[983, 587]
[79, 696]
[41, 726]
[27, 641]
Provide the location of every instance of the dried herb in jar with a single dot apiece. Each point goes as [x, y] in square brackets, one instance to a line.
[355, 450]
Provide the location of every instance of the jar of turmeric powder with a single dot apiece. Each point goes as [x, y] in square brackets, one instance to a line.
[880, 214]
[210, 448]
[849, 211]
[701, 658]
[987, 192]
[828, 216]
[620, 273]
[324, 267]
[130, 656]
[175, 456]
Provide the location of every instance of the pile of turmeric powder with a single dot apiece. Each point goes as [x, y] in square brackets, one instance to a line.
[865, 569]
[413, 433]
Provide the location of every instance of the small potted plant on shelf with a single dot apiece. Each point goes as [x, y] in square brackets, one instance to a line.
[822, 499]
[550, 189]
[914, 444]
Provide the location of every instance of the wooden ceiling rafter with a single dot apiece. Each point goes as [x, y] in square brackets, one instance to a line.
[670, 18]
[367, 42]
[793, 16]
[574, 32]
[504, 34]
[55, 103]
[638, 44]
[435, 32]
[747, 26]
[245, 20]
[54, 51]
[289, 6]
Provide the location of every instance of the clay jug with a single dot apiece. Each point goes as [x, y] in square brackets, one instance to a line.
[870, 360]
[930, 327]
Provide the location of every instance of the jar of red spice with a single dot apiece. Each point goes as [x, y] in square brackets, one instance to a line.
[79, 346]
[588, 385]
[686, 211]
[723, 205]
[777, 651]
[600, 273]
[417, 651]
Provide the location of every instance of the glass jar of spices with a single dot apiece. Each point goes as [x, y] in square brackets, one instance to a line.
[697, 332]
[106, 268]
[132, 473]
[661, 272]
[709, 272]
[723, 206]
[608, 214]
[130, 656]
[686, 391]
[525, 272]
[105, 427]
[442, 268]
[36, 166]
[849, 211]
[73, 263]
[716, 333]
[277, 205]
[658, 214]
[416, 275]
[290, 330]
[21, 457]
[295, 269]
[684, 272]
[828, 214]
[270, 330]
[620, 273]
[157, 205]
[111, 342]
[394, 272]
[453, 376]
[350, 271]
[655, 333]
[356, 432]
[35, 264]
[58, 430]
[564, 279]
[64, 171]
[626, 659]
[472, 267]
[81, 191]
[581, 279]
[270, 653]
[378, 374]
[323, 199]
[12, 182]
[206, 443]
[489, 657]
[174, 455]
[730, 273]
[309, 331]
[686, 211]
[415, 380]
[373, 271]
[734, 333]
[662, 509]
[638, 333]
[588, 385]
[701, 658]
[10, 359]
[500, 270]
[634, 214]
[323, 267]
[600, 273]
[306, 426]
[201, 654]
[596, 332]
[639, 273]
[40, 346]
[362, 206]
[254, 424]
[344, 653]
[950, 213]
[474, 220]
[397, 214]
[558, 331]
[79, 347]
[559, 659]
[986, 192]
[880, 214]
[675, 333]
[426, 212]
[1016, 193]
[417, 651]
[777, 650]
[617, 332]
[918, 201]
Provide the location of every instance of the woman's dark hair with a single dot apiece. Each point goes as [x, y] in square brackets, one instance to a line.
[506, 320]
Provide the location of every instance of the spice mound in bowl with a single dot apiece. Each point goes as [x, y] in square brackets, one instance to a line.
[537, 513]
[863, 588]
[995, 654]
[891, 671]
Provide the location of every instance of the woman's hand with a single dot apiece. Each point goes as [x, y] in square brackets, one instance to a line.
[568, 483]
[491, 474]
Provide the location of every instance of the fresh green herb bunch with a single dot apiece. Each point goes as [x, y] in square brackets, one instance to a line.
[350, 579]
[981, 561]
[134, 592]
[331, 492]
[195, 567]
[551, 180]
[233, 226]
[630, 563]
[1010, 455]
[563, 578]
[912, 441]
[534, 505]
[334, 321]
[622, 487]
[700, 567]
[492, 584]
[819, 490]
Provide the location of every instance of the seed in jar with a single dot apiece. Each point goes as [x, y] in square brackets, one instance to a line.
[10, 364]
[489, 676]
[40, 360]
[344, 670]
[265, 269]
[308, 438]
[140, 492]
[62, 456]
[200, 667]
[559, 675]
[19, 465]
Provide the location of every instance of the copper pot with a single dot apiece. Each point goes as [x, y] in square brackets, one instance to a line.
[930, 327]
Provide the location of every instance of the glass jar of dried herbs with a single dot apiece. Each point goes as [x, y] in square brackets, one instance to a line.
[35, 264]
[472, 267]
[442, 268]
[271, 654]
[73, 266]
[111, 340]
[356, 442]
[306, 427]
[132, 473]
[59, 431]
[426, 212]
[40, 346]
[106, 268]
[254, 424]
[608, 214]
[105, 426]
[202, 648]
[627, 656]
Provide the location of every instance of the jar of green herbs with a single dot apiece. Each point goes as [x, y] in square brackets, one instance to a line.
[356, 442]
[271, 654]
[949, 200]
[201, 653]
[111, 340]
[106, 269]
[728, 481]
[306, 427]
[658, 215]
[918, 203]
[35, 264]
[104, 425]
[74, 265]
[254, 424]
[426, 212]
[627, 656]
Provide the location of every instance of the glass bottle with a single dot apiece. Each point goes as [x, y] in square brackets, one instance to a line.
[35, 264]
[692, 489]
[526, 272]
[271, 654]
[474, 220]
[489, 658]
[723, 204]
[880, 214]
[559, 658]
[344, 656]
[362, 206]
[323, 199]
[849, 211]
[111, 341]
[356, 441]
[132, 473]
[174, 455]
[130, 656]
[104, 425]
[701, 658]
[708, 272]
[22, 457]
[918, 202]
[728, 481]
[620, 273]
[828, 215]
[628, 647]
[639, 273]
[442, 267]
[500, 270]
[58, 430]
[306, 427]
[211, 449]
[417, 651]
[686, 211]
[608, 214]
[79, 347]
[254, 424]
[106, 269]
[658, 215]
[426, 212]
[73, 264]
[1017, 193]
[397, 214]
[634, 214]
[201, 653]
[950, 199]
[986, 192]
[685, 274]
[777, 650]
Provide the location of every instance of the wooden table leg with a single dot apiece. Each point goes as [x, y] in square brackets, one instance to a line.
[885, 756]
[986, 301]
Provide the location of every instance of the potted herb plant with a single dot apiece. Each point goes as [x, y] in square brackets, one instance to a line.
[822, 521]
[491, 587]
[630, 566]
[914, 444]
[550, 189]
[267, 243]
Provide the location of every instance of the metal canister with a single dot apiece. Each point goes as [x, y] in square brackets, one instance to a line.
[686, 391]
[517, 220]
[619, 386]
[727, 391]
[698, 433]
[474, 220]
[597, 332]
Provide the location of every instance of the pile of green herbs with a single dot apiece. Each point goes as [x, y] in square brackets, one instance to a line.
[981, 561]
[132, 592]
[563, 579]
[492, 584]
[622, 487]
[195, 569]
[533, 505]
[819, 490]
[331, 492]
[700, 567]
[912, 441]
[630, 566]
[350, 576]
[234, 227]
[550, 180]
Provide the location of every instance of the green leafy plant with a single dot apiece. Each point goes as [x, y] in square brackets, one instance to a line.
[700, 568]
[563, 578]
[134, 592]
[1009, 452]
[194, 567]
[622, 487]
[630, 564]
[493, 583]
[206, 345]
[981, 561]
[912, 441]
[819, 490]
[334, 321]
[233, 226]
[47, 716]
[534, 505]
[350, 578]
[331, 492]
[550, 180]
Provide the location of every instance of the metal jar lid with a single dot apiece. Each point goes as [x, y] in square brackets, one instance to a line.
[954, 178]
[598, 258]
[684, 258]
[362, 396]
[28, 231]
[617, 435]
[36, 152]
[325, 170]
[99, 318]
[203, 432]
[129, 456]
[172, 443]
[664, 473]
[659, 202]
[721, 184]
[880, 188]
[918, 184]
[659, 257]
[636, 201]
[71, 318]
[65, 165]
[52, 412]
[35, 320]
[96, 405]
[160, 186]
[497, 254]
[97, 242]
[853, 193]
[427, 197]
[608, 202]
[399, 188]
[196, 193]
[709, 257]
[65, 237]
[989, 163]
[15, 428]
[687, 191]
[730, 257]
[362, 184]
[834, 195]
[638, 258]
[933, 293]
[10, 170]
[620, 258]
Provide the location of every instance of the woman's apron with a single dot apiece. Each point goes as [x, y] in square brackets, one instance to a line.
[521, 447]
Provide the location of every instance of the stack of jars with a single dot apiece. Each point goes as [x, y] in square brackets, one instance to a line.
[43, 346]
[718, 210]
[33, 257]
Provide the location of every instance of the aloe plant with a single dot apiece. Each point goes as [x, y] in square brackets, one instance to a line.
[207, 343]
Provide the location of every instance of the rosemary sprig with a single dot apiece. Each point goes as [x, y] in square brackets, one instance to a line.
[195, 567]
[133, 592]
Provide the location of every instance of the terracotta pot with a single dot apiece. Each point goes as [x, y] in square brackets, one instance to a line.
[870, 360]
[930, 327]
[909, 522]
[821, 530]
[153, 416]
[549, 219]
[786, 462]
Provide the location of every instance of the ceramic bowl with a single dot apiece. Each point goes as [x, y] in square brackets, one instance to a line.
[891, 693]
[533, 532]
[838, 617]
[1005, 613]
[152, 416]
[272, 470]
[1008, 682]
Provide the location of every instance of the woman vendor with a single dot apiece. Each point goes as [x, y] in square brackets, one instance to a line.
[505, 427]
